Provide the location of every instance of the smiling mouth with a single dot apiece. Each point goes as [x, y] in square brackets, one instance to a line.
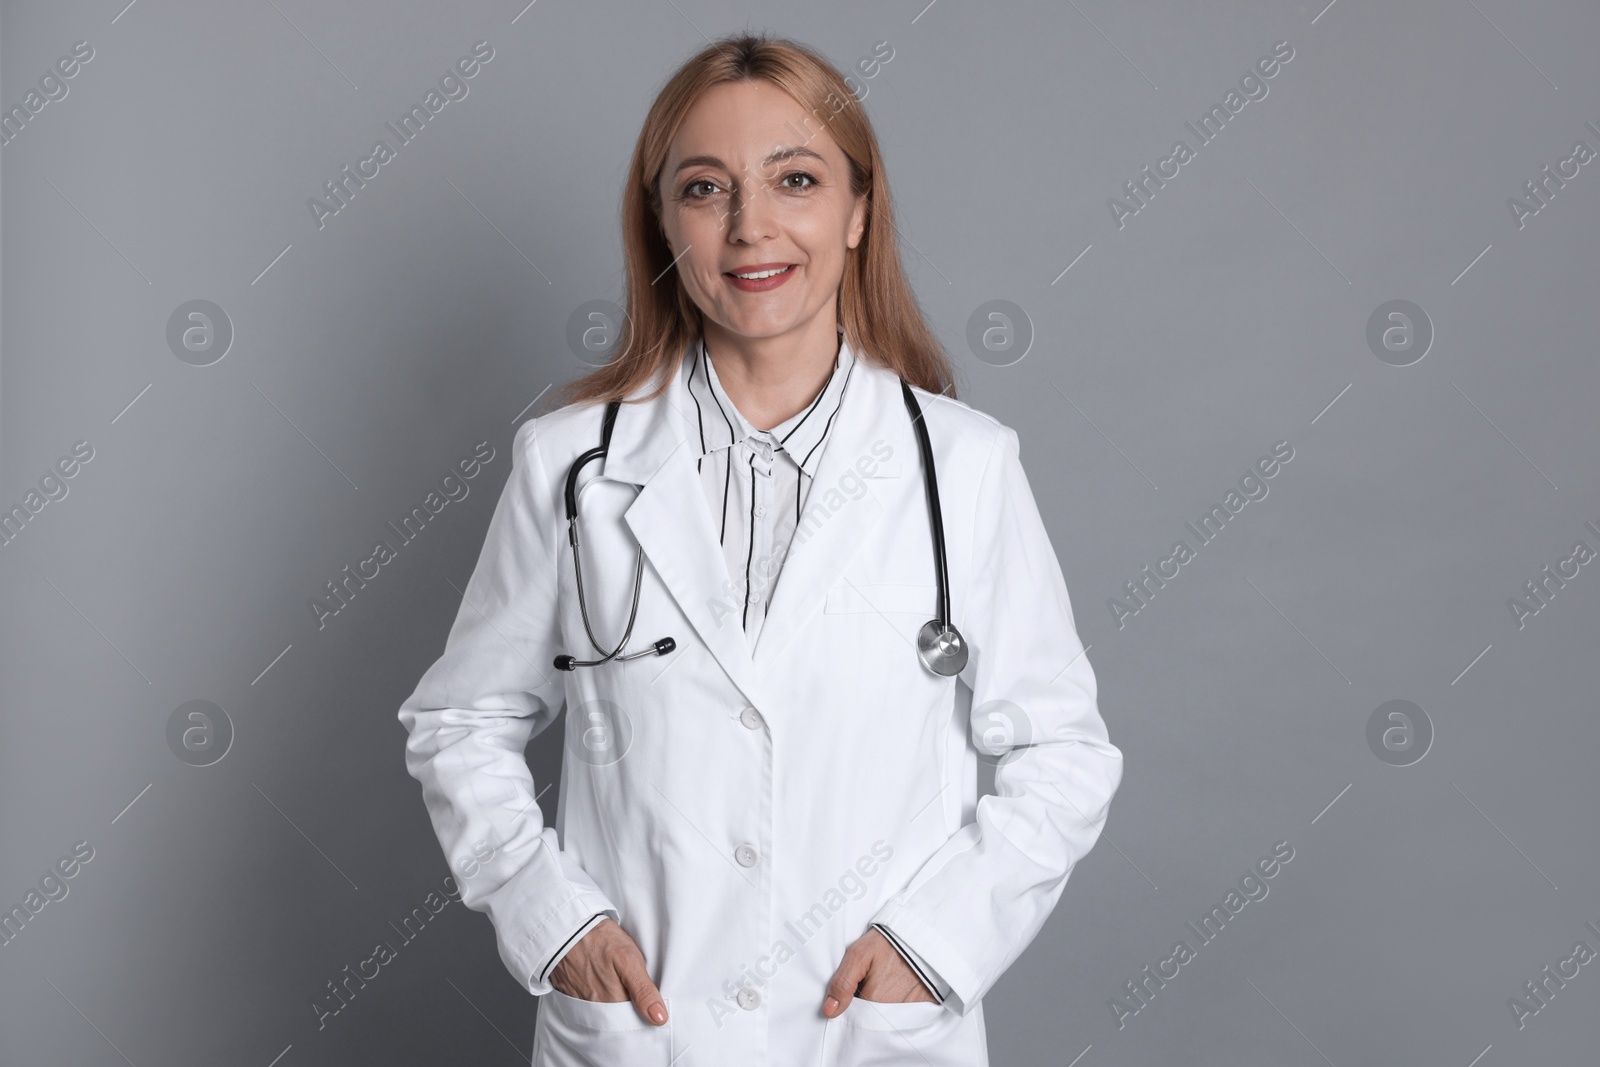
[758, 275]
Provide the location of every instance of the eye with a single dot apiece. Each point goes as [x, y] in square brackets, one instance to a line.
[690, 190]
[798, 174]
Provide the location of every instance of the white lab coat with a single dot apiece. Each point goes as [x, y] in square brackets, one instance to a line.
[742, 849]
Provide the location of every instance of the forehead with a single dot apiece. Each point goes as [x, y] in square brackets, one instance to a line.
[742, 123]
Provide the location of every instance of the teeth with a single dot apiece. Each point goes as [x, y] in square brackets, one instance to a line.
[758, 275]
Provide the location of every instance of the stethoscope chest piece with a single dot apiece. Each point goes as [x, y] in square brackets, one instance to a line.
[942, 648]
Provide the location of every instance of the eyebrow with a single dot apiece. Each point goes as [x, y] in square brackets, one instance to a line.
[777, 156]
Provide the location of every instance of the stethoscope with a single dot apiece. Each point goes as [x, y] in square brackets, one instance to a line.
[940, 645]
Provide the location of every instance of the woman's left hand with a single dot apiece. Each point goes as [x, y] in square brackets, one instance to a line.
[873, 970]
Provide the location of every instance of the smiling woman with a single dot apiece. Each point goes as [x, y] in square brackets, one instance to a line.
[783, 489]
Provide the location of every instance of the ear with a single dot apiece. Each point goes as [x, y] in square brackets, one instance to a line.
[858, 220]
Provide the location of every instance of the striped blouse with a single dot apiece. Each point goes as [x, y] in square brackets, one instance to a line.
[755, 481]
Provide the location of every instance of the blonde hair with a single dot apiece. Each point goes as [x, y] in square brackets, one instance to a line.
[876, 307]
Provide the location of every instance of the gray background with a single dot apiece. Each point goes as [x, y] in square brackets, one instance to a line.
[1231, 313]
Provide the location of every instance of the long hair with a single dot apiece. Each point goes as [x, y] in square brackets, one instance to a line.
[876, 307]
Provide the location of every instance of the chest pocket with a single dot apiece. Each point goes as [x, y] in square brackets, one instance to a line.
[855, 598]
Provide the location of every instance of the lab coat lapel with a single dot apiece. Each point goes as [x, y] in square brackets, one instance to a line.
[672, 524]
[828, 536]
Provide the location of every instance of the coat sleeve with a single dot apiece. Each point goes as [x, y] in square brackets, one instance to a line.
[473, 713]
[978, 901]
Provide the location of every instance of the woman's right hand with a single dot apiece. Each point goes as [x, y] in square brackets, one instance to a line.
[606, 966]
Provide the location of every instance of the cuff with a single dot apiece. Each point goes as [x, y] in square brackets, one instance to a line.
[544, 974]
[530, 952]
[965, 987]
[926, 974]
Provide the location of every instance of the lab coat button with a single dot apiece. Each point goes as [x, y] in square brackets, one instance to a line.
[749, 998]
[747, 856]
[751, 718]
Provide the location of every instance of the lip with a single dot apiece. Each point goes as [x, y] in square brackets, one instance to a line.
[748, 285]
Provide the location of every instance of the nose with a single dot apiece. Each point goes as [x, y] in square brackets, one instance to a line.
[753, 213]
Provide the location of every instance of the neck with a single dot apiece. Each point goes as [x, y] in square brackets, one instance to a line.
[771, 379]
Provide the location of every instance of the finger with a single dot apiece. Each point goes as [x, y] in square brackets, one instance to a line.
[842, 987]
[642, 991]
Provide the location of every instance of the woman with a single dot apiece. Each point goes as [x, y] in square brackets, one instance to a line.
[768, 845]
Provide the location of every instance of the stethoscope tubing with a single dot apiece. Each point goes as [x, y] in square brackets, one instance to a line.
[935, 515]
[940, 644]
[571, 662]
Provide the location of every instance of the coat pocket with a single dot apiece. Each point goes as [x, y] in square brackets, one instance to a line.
[919, 1032]
[855, 598]
[587, 1033]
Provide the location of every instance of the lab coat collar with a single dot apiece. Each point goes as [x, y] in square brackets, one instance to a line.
[674, 527]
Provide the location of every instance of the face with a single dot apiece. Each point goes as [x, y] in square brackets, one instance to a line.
[752, 182]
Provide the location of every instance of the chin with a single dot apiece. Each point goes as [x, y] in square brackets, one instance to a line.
[762, 326]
